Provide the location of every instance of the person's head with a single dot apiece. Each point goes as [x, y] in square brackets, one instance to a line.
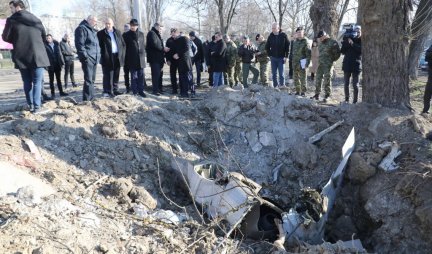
[226, 38]
[66, 37]
[322, 35]
[174, 32]
[275, 28]
[358, 30]
[158, 26]
[300, 32]
[218, 36]
[109, 24]
[16, 6]
[133, 25]
[259, 38]
[92, 20]
[315, 43]
[246, 40]
[126, 27]
[49, 38]
[193, 35]
[213, 38]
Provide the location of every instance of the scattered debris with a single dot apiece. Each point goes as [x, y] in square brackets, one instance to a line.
[317, 137]
[33, 149]
[388, 163]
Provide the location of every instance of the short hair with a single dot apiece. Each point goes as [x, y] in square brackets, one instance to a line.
[276, 24]
[50, 35]
[218, 33]
[226, 37]
[17, 3]
[91, 17]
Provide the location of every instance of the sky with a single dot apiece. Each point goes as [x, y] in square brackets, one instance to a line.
[52, 7]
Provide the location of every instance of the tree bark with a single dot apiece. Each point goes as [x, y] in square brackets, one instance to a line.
[385, 52]
[420, 30]
[324, 16]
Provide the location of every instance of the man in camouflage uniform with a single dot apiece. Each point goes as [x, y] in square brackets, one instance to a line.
[231, 57]
[237, 68]
[263, 59]
[301, 52]
[329, 52]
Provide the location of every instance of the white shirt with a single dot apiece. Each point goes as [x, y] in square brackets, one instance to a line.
[114, 47]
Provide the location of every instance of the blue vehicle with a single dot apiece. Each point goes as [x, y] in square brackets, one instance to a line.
[423, 65]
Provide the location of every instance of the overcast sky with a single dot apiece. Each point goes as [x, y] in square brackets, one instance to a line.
[52, 7]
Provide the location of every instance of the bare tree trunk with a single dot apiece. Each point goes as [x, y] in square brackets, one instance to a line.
[324, 16]
[342, 12]
[385, 65]
[225, 21]
[420, 30]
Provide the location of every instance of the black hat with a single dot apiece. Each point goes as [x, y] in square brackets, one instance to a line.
[133, 22]
[192, 34]
[300, 28]
[173, 30]
[321, 34]
[257, 36]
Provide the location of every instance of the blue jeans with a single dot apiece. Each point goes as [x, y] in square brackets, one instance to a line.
[218, 79]
[278, 65]
[137, 80]
[32, 79]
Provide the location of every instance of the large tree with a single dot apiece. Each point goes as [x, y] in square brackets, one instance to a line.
[421, 28]
[324, 16]
[226, 11]
[385, 52]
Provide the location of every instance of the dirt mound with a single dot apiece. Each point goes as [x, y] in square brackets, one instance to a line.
[110, 163]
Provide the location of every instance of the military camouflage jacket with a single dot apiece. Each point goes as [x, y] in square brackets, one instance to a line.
[231, 53]
[238, 43]
[301, 50]
[263, 57]
[329, 52]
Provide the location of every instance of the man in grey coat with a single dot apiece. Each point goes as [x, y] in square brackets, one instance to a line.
[87, 45]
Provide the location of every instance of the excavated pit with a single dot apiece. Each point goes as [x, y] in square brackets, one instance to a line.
[114, 157]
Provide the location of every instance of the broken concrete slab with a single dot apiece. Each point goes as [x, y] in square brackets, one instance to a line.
[13, 179]
[267, 138]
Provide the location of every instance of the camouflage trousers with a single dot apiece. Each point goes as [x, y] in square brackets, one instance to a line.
[299, 76]
[323, 77]
[229, 76]
[238, 72]
[263, 72]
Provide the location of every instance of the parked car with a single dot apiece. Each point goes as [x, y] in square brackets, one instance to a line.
[423, 65]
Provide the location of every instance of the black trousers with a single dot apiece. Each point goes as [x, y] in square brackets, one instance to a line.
[290, 69]
[89, 69]
[428, 92]
[69, 71]
[126, 73]
[57, 73]
[173, 75]
[355, 80]
[110, 78]
[157, 73]
[198, 67]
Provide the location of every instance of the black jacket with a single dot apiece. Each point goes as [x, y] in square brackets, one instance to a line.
[170, 43]
[27, 34]
[181, 48]
[200, 53]
[352, 60]
[247, 53]
[217, 55]
[278, 45]
[135, 50]
[428, 56]
[86, 43]
[67, 50]
[154, 47]
[207, 46]
[55, 56]
[106, 47]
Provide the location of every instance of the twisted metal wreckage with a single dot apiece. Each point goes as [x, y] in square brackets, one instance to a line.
[231, 197]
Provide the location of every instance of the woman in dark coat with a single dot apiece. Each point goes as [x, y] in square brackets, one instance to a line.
[351, 65]
[56, 64]
[184, 63]
[135, 57]
[218, 60]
